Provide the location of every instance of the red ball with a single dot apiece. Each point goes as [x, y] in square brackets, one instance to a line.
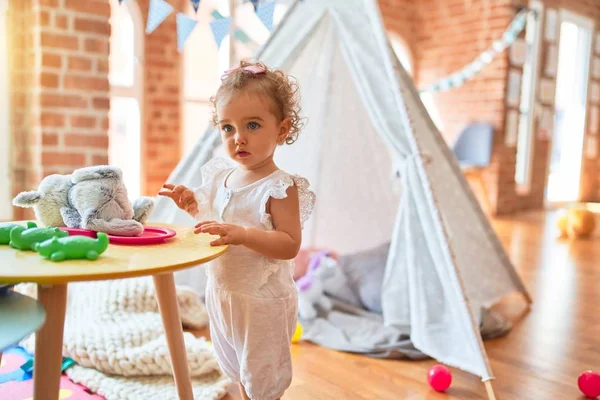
[439, 377]
[589, 384]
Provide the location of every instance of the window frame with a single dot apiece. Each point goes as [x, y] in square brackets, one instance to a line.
[523, 173]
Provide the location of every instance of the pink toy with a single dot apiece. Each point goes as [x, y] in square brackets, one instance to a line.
[24, 391]
[151, 235]
[589, 384]
[439, 378]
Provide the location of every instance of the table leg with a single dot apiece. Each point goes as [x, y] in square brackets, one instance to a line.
[49, 342]
[164, 285]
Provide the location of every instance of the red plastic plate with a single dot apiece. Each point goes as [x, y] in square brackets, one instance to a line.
[151, 235]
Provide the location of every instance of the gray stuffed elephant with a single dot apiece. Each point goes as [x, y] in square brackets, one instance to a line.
[93, 198]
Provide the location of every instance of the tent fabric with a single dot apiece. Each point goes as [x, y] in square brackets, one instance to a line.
[365, 121]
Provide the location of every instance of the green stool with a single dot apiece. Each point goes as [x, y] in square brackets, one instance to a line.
[20, 316]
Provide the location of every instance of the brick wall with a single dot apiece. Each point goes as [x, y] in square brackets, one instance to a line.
[61, 96]
[59, 91]
[162, 115]
[510, 197]
[444, 36]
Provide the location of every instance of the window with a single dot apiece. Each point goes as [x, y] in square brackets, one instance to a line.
[405, 57]
[204, 63]
[126, 92]
[5, 139]
[529, 82]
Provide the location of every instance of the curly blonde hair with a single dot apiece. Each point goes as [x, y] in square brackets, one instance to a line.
[281, 89]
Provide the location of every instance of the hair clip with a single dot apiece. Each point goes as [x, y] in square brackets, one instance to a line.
[254, 69]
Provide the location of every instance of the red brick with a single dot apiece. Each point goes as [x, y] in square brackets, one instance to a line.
[52, 120]
[101, 103]
[100, 160]
[102, 66]
[61, 21]
[92, 26]
[49, 3]
[79, 63]
[51, 60]
[76, 140]
[92, 7]
[55, 158]
[59, 41]
[59, 100]
[86, 83]
[45, 18]
[96, 46]
[49, 139]
[49, 80]
[80, 121]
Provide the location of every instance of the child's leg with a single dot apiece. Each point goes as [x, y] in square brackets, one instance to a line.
[243, 392]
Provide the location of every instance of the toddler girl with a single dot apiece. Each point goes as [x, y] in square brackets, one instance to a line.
[258, 210]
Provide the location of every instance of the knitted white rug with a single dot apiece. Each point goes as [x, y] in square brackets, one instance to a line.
[114, 332]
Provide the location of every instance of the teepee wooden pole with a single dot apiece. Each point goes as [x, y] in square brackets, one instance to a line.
[490, 390]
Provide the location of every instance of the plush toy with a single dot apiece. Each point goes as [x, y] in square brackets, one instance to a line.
[72, 247]
[310, 286]
[576, 223]
[93, 198]
[26, 239]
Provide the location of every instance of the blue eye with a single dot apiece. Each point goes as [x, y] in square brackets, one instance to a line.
[227, 128]
[253, 126]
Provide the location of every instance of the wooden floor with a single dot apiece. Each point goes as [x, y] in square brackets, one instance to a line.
[541, 358]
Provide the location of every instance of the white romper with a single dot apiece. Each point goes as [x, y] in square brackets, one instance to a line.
[251, 300]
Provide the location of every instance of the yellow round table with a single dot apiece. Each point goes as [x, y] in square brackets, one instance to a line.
[184, 250]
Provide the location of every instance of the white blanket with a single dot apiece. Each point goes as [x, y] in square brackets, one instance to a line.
[114, 332]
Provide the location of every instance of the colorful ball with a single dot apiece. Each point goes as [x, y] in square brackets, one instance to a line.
[589, 384]
[439, 378]
[298, 334]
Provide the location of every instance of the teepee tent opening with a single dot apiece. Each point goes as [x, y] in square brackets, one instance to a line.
[382, 173]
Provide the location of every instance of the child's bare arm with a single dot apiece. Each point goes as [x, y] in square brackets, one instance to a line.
[182, 196]
[283, 243]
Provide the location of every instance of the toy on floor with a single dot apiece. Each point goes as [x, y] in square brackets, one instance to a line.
[589, 384]
[73, 247]
[439, 377]
[25, 239]
[93, 198]
[10, 366]
[310, 286]
[576, 223]
[7, 227]
[298, 333]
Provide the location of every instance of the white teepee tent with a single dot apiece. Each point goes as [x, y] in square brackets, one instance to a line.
[366, 124]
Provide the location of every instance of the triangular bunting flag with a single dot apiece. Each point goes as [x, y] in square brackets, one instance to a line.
[158, 11]
[265, 14]
[220, 29]
[196, 4]
[185, 26]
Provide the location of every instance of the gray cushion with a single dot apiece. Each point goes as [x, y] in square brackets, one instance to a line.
[360, 277]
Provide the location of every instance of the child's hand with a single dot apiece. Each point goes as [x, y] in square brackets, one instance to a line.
[182, 196]
[229, 234]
